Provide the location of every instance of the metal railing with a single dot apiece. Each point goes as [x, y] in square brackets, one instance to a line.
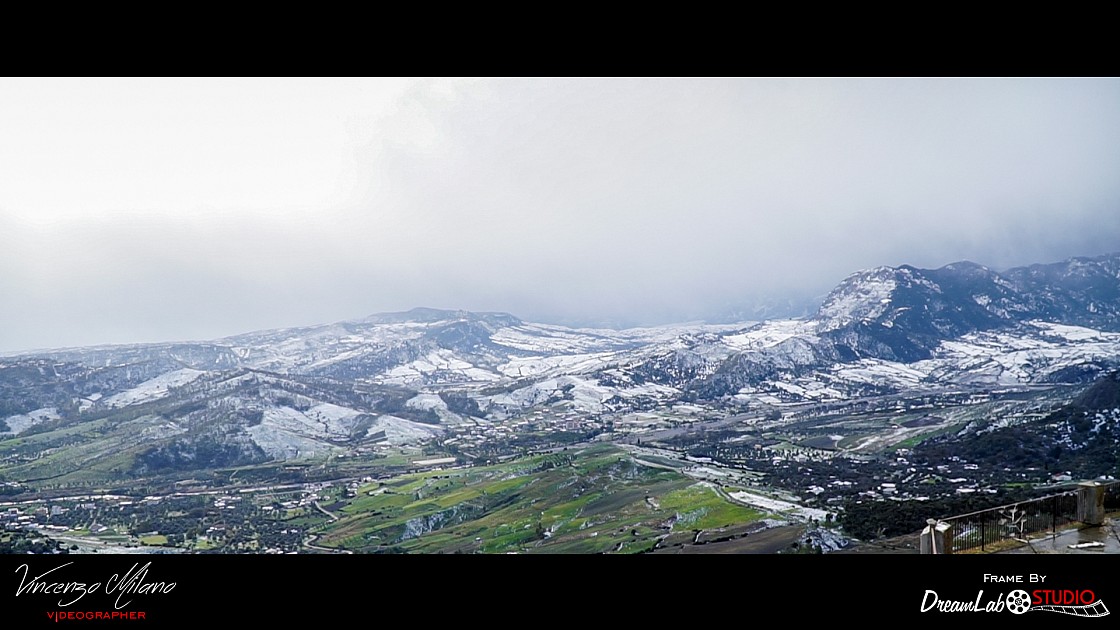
[986, 528]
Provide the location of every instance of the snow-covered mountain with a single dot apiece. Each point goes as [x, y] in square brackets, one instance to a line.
[407, 377]
[904, 313]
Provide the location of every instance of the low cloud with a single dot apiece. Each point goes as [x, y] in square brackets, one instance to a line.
[226, 207]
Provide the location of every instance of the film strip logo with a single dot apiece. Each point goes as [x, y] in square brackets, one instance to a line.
[1019, 602]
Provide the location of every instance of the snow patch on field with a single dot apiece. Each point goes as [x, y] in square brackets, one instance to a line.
[1010, 359]
[337, 422]
[153, 389]
[770, 334]
[878, 372]
[400, 431]
[426, 402]
[288, 433]
[776, 505]
[323, 421]
[809, 390]
[19, 423]
[280, 442]
[585, 395]
[433, 403]
[303, 349]
[522, 367]
[442, 363]
[547, 339]
[1073, 333]
[288, 420]
[670, 332]
[156, 428]
[553, 340]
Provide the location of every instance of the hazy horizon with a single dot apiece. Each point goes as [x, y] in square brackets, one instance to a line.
[135, 210]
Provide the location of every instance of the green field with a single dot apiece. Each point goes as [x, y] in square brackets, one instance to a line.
[587, 501]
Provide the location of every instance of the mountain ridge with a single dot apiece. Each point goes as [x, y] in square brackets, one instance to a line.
[903, 313]
[408, 377]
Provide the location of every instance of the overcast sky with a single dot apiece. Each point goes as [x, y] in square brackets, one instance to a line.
[155, 210]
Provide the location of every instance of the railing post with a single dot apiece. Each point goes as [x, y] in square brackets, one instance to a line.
[983, 531]
[926, 543]
[936, 538]
[1090, 502]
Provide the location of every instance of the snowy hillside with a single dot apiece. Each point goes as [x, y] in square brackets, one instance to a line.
[401, 378]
